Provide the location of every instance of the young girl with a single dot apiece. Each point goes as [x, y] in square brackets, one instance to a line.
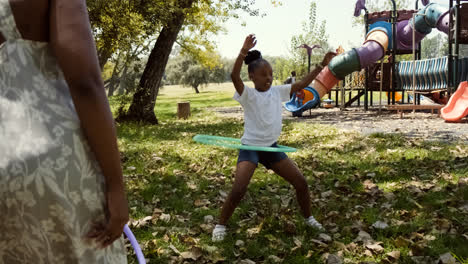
[263, 121]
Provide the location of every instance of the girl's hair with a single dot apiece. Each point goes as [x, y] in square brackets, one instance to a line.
[253, 60]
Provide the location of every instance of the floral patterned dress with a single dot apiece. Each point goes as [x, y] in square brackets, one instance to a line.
[51, 187]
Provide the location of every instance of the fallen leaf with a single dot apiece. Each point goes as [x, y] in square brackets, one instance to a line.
[207, 227]
[380, 225]
[208, 219]
[297, 242]
[402, 242]
[376, 247]
[194, 254]
[324, 238]
[143, 222]
[340, 246]
[334, 259]
[320, 243]
[394, 255]
[275, 259]
[447, 258]
[165, 217]
[326, 194]
[364, 237]
[174, 249]
[253, 231]
[418, 249]
[239, 243]
[368, 253]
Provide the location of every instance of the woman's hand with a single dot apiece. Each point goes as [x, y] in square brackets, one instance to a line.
[250, 42]
[105, 234]
[327, 58]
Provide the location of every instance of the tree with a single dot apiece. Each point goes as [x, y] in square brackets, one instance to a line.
[200, 17]
[283, 68]
[144, 99]
[313, 32]
[188, 72]
[118, 25]
[434, 47]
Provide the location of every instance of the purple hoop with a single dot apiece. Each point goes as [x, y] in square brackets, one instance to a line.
[135, 245]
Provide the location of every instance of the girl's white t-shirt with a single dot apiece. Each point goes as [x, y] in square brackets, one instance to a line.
[262, 114]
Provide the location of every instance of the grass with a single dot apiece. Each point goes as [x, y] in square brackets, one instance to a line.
[416, 187]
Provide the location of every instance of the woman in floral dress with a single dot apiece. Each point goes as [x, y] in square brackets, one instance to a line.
[62, 197]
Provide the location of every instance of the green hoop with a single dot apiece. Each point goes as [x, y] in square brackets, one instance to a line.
[236, 144]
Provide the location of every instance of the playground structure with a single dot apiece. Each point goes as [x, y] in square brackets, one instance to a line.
[392, 33]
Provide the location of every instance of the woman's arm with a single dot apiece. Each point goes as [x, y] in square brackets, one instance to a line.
[249, 43]
[313, 74]
[73, 45]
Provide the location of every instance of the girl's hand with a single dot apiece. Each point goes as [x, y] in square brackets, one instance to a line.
[105, 234]
[327, 58]
[250, 42]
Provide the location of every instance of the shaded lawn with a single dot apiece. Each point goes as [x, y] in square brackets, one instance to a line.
[176, 186]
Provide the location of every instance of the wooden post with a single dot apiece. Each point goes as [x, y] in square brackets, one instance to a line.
[183, 110]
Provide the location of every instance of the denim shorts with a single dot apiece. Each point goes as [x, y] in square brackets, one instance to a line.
[266, 158]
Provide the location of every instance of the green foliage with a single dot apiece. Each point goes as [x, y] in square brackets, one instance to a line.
[189, 72]
[313, 32]
[122, 24]
[282, 69]
[434, 47]
[118, 25]
[461, 260]
[107, 71]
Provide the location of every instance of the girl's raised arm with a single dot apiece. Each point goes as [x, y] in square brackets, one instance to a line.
[249, 43]
[313, 74]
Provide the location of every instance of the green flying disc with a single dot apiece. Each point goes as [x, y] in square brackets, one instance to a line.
[236, 143]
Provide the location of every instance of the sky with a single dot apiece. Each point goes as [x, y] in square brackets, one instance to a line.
[275, 30]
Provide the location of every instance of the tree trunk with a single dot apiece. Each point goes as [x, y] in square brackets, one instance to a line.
[183, 110]
[114, 77]
[104, 54]
[144, 99]
[196, 89]
[122, 86]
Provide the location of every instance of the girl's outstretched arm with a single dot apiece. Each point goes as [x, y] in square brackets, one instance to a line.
[313, 74]
[249, 43]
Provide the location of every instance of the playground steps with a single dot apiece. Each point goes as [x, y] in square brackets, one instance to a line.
[401, 108]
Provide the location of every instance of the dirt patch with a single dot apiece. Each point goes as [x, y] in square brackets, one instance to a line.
[422, 124]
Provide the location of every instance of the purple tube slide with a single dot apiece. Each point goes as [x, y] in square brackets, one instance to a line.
[405, 35]
[443, 22]
[369, 53]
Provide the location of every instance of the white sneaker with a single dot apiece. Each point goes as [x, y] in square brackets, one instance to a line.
[219, 233]
[313, 223]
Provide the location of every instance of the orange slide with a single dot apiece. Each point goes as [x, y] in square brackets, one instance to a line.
[457, 106]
